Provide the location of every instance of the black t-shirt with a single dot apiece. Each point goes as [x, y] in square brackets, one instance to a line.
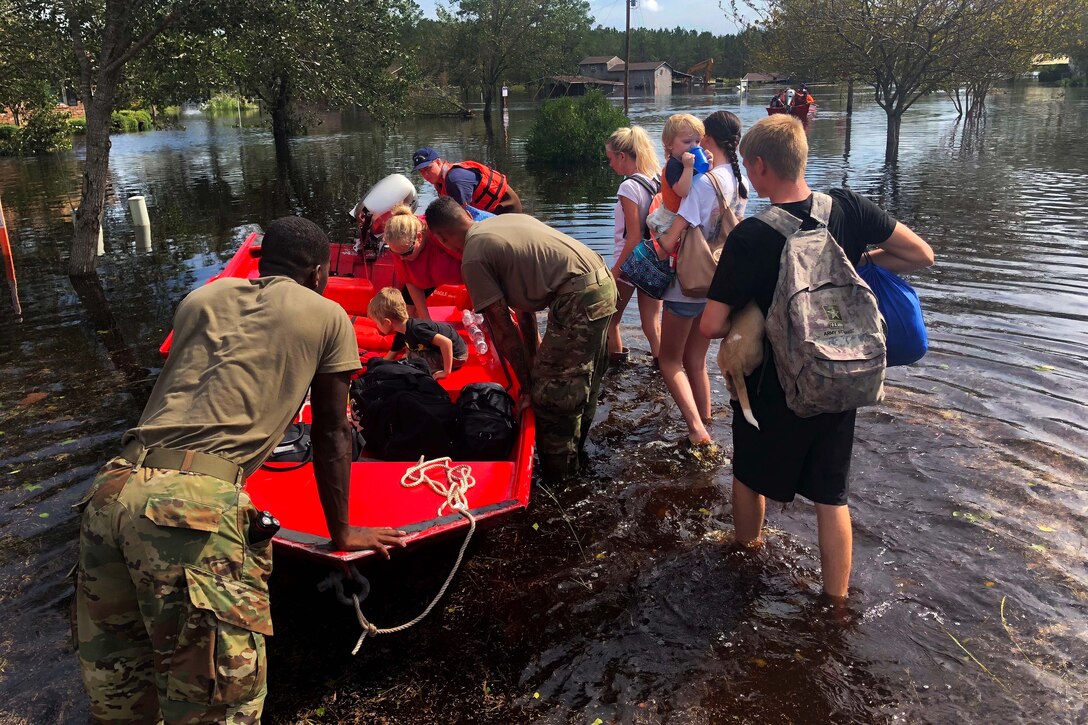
[419, 334]
[749, 264]
[674, 169]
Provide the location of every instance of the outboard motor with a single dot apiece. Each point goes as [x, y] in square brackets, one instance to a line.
[374, 209]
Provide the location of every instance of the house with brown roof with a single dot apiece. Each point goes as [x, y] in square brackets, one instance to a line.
[655, 77]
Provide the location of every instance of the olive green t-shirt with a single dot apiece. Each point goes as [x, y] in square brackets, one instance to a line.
[522, 260]
[243, 355]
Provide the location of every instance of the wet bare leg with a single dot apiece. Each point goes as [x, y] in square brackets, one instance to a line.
[674, 338]
[695, 367]
[748, 510]
[649, 311]
[836, 548]
[615, 341]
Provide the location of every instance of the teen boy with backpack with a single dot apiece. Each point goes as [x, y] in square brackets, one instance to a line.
[790, 454]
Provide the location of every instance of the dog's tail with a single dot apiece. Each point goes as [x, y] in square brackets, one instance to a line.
[737, 374]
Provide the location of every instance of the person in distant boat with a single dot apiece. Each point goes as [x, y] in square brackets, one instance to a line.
[517, 262]
[469, 183]
[436, 343]
[171, 604]
[778, 100]
[803, 97]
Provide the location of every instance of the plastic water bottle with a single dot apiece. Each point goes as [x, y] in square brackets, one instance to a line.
[472, 321]
[702, 163]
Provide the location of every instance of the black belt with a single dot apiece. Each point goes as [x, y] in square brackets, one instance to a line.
[585, 281]
[185, 461]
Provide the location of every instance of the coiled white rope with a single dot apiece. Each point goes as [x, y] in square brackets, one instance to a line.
[458, 480]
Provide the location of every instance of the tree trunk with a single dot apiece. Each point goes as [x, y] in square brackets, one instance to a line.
[489, 96]
[281, 122]
[849, 96]
[92, 201]
[891, 147]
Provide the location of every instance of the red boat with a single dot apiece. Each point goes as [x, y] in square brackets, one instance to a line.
[377, 496]
[799, 110]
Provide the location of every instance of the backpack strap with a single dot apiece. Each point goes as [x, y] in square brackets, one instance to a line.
[651, 185]
[821, 208]
[780, 220]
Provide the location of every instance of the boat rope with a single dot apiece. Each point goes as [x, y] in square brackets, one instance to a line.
[454, 489]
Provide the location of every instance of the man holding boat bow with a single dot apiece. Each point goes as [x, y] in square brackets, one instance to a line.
[514, 261]
[171, 605]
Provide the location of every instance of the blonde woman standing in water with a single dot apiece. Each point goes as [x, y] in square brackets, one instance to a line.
[632, 156]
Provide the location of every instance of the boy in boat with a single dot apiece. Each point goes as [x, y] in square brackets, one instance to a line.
[469, 183]
[516, 262]
[435, 342]
[171, 605]
[789, 455]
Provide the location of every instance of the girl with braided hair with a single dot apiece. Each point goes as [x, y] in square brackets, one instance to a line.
[683, 346]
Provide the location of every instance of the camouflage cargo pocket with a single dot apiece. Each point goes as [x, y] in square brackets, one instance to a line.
[180, 513]
[220, 657]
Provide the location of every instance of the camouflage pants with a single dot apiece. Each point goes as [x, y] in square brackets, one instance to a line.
[171, 600]
[567, 376]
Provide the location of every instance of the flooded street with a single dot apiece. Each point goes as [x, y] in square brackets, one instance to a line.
[620, 598]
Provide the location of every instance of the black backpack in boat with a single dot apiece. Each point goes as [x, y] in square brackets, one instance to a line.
[404, 413]
[488, 424]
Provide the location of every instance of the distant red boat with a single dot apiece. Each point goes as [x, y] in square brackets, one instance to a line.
[377, 496]
[799, 110]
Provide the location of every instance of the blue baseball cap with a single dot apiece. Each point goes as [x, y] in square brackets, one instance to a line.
[424, 156]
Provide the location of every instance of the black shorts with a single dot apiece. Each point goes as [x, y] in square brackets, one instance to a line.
[789, 455]
[408, 295]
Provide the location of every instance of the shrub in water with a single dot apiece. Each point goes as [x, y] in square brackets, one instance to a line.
[572, 131]
[129, 121]
[78, 126]
[44, 132]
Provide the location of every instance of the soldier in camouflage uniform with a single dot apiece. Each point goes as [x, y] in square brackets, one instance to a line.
[515, 262]
[171, 605]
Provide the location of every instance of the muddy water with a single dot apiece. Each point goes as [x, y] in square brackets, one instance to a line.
[620, 598]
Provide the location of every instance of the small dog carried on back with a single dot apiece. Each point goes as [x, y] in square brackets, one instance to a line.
[741, 352]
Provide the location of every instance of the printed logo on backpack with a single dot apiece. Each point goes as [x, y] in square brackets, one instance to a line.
[824, 325]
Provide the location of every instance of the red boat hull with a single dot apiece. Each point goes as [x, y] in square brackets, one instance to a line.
[801, 111]
[377, 497]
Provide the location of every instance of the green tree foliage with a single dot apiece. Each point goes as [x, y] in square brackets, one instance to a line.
[295, 53]
[488, 42]
[571, 132]
[32, 61]
[679, 47]
[904, 49]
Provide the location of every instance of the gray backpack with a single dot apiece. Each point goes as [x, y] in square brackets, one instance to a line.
[824, 326]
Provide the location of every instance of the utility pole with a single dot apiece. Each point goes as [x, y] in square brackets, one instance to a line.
[627, 58]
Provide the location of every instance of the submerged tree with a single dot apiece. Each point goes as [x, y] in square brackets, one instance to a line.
[294, 53]
[492, 41]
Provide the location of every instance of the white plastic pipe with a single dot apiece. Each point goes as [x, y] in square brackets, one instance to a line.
[137, 208]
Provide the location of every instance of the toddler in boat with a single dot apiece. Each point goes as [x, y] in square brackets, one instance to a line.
[435, 342]
[682, 132]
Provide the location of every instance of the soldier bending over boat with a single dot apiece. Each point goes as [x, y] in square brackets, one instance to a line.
[516, 262]
[172, 593]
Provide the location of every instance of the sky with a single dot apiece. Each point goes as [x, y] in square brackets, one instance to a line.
[697, 15]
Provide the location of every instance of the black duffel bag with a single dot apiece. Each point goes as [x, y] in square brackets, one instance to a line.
[488, 425]
[403, 412]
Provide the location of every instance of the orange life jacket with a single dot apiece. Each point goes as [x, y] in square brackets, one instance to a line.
[490, 189]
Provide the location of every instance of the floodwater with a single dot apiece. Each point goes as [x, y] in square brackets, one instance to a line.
[619, 599]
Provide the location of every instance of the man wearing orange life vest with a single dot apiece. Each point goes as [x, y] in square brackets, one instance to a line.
[468, 183]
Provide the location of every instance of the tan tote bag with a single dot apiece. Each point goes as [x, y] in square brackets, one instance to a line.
[698, 256]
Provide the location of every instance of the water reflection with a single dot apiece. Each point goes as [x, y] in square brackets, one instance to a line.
[969, 484]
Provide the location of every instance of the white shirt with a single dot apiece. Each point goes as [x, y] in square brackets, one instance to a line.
[637, 193]
[700, 207]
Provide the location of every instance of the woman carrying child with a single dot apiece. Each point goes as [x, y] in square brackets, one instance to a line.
[683, 347]
[632, 156]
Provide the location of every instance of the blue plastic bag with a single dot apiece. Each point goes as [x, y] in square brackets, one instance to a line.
[898, 302]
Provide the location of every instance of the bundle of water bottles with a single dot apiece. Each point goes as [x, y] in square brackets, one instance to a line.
[472, 321]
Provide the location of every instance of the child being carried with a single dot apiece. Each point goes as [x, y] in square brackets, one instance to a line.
[682, 132]
[435, 342]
